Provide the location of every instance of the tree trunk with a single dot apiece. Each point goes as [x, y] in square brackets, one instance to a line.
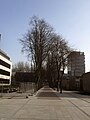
[61, 81]
[60, 86]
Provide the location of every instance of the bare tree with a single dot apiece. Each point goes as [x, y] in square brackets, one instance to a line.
[35, 43]
[58, 53]
[21, 67]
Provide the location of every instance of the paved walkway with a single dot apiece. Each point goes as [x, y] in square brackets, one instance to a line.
[47, 104]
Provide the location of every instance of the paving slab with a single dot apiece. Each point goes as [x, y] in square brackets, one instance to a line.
[46, 104]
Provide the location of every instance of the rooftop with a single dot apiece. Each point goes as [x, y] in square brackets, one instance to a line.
[4, 54]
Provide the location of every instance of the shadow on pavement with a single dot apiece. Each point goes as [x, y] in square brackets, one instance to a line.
[47, 93]
[72, 94]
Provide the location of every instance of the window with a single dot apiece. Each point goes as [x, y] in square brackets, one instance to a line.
[3, 72]
[4, 81]
[4, 64]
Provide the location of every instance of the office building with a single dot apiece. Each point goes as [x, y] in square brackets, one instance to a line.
[76, 64]
[5, 69]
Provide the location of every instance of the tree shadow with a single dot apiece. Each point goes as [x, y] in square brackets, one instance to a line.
[47, 93]
[73, 94]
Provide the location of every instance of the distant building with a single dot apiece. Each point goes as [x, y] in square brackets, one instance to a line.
[5, 69]
[85, 82]
[25, 81]
[76, 64]
[25, 77]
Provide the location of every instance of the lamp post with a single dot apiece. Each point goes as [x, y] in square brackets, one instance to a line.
[2, 90]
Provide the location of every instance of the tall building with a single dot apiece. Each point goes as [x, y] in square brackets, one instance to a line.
[76, 63]
[5, 69]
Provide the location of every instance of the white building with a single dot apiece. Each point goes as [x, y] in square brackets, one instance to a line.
[5, 69]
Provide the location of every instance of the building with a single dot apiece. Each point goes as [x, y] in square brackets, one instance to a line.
[76, 68]
[85, 82]
[25, 81]
[5, 69]
[76, 63]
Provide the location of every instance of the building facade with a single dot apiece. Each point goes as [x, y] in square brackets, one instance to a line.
[76, 63]
[5, 69]
[85, 82]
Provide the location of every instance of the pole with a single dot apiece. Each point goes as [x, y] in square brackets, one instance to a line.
[2, 90]
[0, 37]
[0, 40]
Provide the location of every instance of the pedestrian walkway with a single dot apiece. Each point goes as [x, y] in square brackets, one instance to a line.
[47, 104]
[47, 93]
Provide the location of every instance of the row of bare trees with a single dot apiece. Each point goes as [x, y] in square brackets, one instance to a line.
[21, 67]
[45, 48]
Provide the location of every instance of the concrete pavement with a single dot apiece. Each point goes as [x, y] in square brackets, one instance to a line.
[46, 104]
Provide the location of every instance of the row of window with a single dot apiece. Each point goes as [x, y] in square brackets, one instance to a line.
[4, 64]
[3, 72]
[4, 81]
[5, 69]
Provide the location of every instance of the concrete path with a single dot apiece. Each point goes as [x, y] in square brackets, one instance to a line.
[47, 104]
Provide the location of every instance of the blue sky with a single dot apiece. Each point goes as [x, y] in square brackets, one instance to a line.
[70, 18]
